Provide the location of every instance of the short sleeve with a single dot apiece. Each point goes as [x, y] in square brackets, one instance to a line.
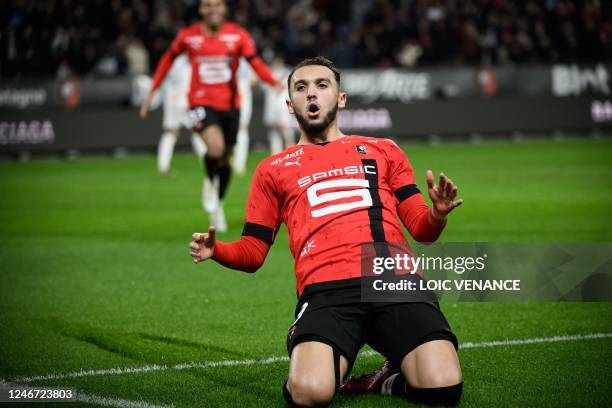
[401, 176]
[262, 216]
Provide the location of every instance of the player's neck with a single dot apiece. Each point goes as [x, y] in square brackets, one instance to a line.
[211, 30]
[328, 135]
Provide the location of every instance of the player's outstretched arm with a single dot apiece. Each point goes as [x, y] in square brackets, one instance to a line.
[249, 52]
[164, 65]
[442, 197]
[247, 254]
[264, 73]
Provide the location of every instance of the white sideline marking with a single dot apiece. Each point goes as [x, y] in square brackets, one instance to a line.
[147, 369]
[536, 340]
[276, 359]
[116, 402]
[97, 399]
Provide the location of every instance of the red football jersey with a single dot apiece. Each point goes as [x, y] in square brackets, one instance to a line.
[332, 197]
[214, 61]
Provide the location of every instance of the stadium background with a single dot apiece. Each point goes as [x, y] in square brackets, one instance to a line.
[510, 98]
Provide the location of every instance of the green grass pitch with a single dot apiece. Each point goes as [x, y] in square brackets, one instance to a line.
[95, 274]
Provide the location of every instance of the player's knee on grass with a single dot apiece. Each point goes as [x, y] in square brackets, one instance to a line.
[309, 391]
[432, 365]
[443, 379]
[435, 378]
[312, 371]
[430, 374]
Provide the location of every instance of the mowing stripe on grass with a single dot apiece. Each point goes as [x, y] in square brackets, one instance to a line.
[97, 399]
[276, 359]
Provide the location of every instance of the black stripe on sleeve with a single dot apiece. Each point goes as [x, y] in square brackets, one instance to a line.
[251, 57]
[259, 231]
[406, 192]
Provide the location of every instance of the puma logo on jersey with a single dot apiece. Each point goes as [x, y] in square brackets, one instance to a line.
[293, 163]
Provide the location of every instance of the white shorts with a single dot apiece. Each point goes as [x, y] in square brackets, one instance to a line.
[275, 110]
[246, 103]
[175, 108]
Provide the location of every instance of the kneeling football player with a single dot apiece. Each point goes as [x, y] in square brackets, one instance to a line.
[335, 192]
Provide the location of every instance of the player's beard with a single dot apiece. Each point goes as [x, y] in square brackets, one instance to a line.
[316, 128]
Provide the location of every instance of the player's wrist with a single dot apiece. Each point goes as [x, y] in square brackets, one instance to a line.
[216, 251]
[435, 218]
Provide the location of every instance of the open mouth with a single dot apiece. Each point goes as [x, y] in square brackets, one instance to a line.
[313, 110]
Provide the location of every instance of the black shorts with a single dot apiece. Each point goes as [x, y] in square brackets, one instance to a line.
[332, 313]
[200, 117]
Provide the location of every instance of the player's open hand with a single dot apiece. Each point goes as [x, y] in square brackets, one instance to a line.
[442, 196]
[202, 246]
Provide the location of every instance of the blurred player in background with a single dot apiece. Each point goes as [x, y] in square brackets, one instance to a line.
[246, 80]
[214, 47]
[335, 192]
[176, 107]
[276, 117]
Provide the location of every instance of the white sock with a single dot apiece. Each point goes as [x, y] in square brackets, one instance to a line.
[241, 150]
[210, 194]
[220, 218]
[198, 145]
[386, 386]
[164, 152]
[275, 140]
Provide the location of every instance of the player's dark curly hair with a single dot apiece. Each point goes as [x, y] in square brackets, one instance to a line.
[315, 61]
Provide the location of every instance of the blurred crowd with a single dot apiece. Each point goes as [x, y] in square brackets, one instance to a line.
[117, 37]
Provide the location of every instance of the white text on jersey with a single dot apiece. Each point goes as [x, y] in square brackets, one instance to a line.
[345, 171]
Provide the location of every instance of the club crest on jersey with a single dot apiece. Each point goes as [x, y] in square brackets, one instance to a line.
[230, 40]
[230, 37]
[362, 149]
